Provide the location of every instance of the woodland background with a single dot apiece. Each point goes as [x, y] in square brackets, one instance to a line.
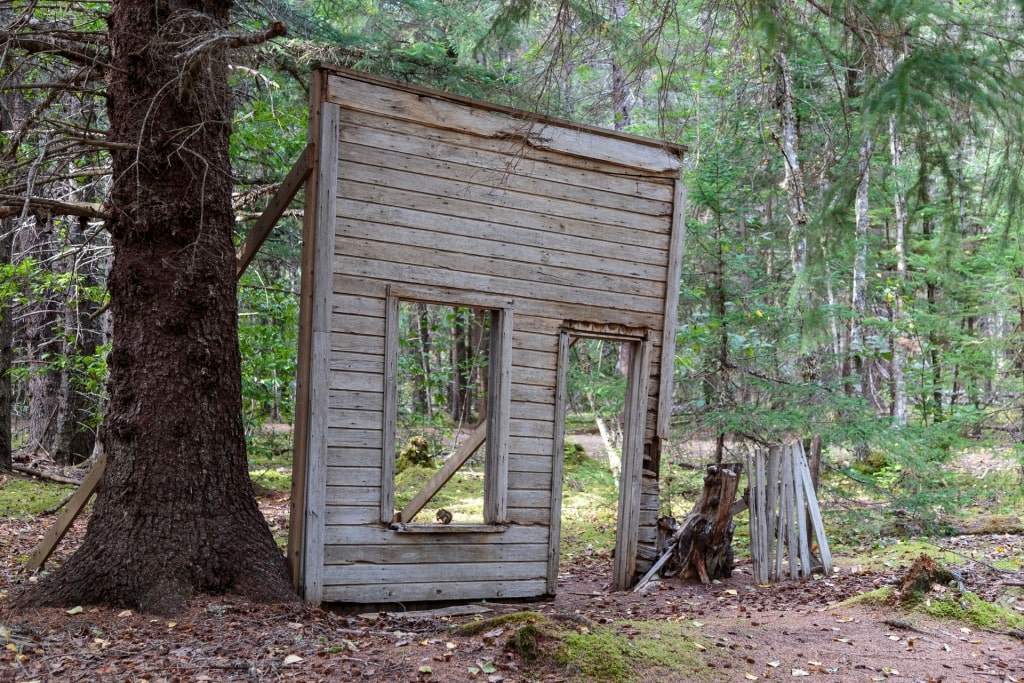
[853, 266]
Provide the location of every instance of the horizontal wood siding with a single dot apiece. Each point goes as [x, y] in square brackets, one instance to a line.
[456, 204]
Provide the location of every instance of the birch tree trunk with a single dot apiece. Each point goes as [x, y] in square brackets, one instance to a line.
[899, 349]
[789, 143]
[859, 296]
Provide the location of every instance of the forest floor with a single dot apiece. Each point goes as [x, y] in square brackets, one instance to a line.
[679, 630]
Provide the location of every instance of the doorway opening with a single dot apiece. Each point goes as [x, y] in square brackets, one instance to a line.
[601, 414]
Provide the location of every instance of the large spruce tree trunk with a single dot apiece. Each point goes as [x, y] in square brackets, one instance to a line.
[175, 512]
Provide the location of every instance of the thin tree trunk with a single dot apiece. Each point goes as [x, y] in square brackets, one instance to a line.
[933, 408]
[43, 343]
[621, 109]
[6, 342]
[859, 296]
[899, 349]
[789, 143]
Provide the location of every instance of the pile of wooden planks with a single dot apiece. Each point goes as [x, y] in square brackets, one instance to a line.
[786, 530]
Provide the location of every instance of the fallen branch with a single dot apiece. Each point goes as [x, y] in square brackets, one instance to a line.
[43, 474]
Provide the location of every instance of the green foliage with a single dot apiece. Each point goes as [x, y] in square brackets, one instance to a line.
[267, 337]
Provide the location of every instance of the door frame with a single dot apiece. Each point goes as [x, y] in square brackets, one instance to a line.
[627, 526]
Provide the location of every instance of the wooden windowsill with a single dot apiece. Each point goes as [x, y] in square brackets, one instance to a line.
[448, 528]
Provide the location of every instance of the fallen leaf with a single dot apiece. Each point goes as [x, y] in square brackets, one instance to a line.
[749, 676]
[696, 624]
[426, 670]
[774, 664]
[294, 625]
[293, 659]
[800, 672]
[125, 613]
[496, 633]
[75, 610]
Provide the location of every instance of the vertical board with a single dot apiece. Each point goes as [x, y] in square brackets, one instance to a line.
[632, 467]
[300, 432]
[387, 498]
[668, 341]
[558, 462]
[320, 353]
[499, 401]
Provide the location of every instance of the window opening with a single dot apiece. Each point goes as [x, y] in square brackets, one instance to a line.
[443, 396]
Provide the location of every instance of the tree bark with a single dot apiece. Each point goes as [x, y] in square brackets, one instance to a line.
[703, 542]
[789, 143]
[42, 341]
[899, 350]
[859, 295]
[621, 109]
[6, 342]
[175, 513]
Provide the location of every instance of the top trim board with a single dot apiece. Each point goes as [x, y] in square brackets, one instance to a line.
[374, 94]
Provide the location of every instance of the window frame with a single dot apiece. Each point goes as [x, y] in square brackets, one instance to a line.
[499, 392]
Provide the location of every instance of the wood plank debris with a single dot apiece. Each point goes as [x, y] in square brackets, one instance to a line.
[787, 533]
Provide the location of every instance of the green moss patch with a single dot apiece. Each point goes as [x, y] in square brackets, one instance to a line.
[23, 497]
[620, 652]
[969, 608]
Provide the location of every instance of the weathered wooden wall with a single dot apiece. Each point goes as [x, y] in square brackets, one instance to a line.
[435, 194]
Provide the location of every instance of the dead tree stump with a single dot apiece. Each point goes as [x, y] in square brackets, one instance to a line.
[702, 545]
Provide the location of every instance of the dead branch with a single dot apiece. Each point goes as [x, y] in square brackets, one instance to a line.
[73, 51]
[43, 474]
[233, 41]
[16, 205]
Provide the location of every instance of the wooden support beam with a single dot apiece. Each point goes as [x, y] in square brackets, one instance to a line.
[441, 477]
[278, 203]
[68, 515]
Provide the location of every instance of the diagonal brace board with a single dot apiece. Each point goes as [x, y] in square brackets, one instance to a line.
[68, 515]
[278, 203]
[441, 477]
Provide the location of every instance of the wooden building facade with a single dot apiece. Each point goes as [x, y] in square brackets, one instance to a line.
[556, 231]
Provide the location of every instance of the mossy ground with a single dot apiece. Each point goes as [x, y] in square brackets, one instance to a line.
[621, 651]
[24, 497]
[948, 603]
